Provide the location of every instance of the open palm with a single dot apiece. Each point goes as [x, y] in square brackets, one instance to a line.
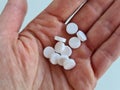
[22, 64]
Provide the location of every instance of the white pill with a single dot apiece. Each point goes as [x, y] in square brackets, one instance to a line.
[60, 39]
[59, 47]
[67, 51]
[69, 64]
[71, 28]
[74, 43]
[48, 51]
[62, 59]
[54, 58]
[81, 35]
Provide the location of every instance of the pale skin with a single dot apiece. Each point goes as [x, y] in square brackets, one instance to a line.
[22, 64]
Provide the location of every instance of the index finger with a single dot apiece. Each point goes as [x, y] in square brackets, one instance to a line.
[62, 9]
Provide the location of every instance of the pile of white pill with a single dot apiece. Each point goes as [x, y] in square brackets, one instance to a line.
[60, 53]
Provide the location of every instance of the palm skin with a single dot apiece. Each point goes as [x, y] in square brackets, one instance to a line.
[58, 78]
[23, 66]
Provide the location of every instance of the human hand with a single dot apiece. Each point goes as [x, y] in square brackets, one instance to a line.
[22, 65]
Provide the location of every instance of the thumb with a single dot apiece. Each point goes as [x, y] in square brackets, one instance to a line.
[12, 16]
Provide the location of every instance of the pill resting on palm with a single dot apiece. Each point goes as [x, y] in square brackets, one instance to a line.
[69, 64]
[48, 51]
[61, 53]
[71, 28]
[81, 36]
[67, 51]
[60, 39]
[54, 58]
[74, 42]
[59, 47]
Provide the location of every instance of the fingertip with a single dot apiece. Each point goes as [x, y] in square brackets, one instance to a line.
[18, 4]
[13, 15]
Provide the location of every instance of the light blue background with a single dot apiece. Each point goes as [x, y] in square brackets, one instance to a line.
[111, 79]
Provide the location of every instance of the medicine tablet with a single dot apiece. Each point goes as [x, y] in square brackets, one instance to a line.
[74, 43]
[69, 64]
[60, 39]
[48, 51]
[59, 47]
[81, 36]
[71, 28]
[54, 58]
[67, 51]
[62, 59]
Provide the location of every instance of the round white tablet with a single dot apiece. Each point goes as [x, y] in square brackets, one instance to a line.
[81, 35]
[48, 51]
[71, 28]
[67, 51]
[62, 59]
[74, 43]
[60, 39]
[59, 47]
[54, 58]
[69, 64]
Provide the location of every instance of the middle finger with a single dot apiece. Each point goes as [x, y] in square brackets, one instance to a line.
[91, 11]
